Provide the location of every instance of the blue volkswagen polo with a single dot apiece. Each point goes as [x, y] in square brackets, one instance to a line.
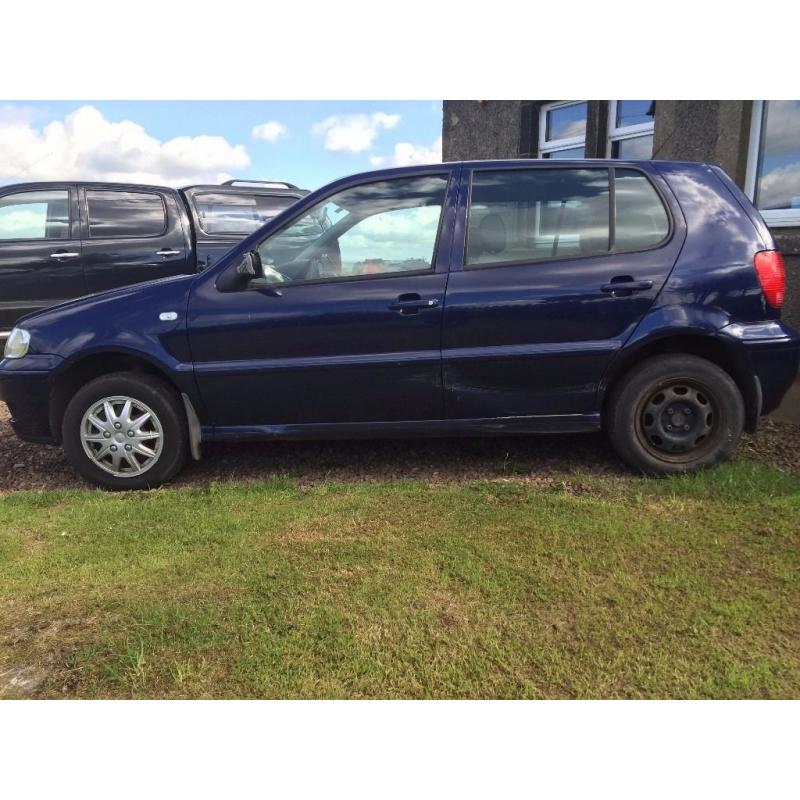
[492, 297]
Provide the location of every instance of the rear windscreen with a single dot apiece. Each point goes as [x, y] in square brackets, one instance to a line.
[237, 213]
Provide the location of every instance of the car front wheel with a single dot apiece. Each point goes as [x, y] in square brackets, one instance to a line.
[125, 431]
[675, 413]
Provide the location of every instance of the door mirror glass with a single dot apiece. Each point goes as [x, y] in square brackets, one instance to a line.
[249, 267]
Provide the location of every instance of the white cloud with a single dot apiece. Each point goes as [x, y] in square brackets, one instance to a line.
[353, 133]
[783, 126]
[780, 187]
[406, 154]
[87, 146]
[404, 233]
[269, 131]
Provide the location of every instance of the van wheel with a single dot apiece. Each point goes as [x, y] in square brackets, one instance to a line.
[675, 413]
[125, 431]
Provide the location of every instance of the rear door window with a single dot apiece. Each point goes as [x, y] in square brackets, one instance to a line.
[520, 216]
[121, 215]
[35, 215]
[237, 213]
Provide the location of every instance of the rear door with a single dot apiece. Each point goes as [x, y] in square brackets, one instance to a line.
[130, 235]
[556, 267]
[40, 250]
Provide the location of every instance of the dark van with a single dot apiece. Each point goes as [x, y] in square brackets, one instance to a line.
[61, 240]
[492, 297]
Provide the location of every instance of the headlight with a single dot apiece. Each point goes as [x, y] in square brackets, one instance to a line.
[17, 343]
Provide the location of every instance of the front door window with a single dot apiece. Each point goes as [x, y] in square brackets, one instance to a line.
[382, 228]
[35, 215]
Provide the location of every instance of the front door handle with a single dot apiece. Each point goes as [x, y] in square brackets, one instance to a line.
[64, 254]
[626, 286]
[412, 304]
[168, 251]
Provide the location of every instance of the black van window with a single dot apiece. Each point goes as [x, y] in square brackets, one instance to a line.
[117, 215]
[35, 215]
[641, 220]
[524, 215]
[227, 213]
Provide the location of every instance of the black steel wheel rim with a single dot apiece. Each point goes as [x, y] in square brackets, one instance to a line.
[678, 421]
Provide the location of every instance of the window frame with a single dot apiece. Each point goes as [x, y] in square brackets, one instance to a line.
[620, 133]
[775, 218]
[557, 145]
[71, 219]
[106, 190]
[449, 176]
[612, 207]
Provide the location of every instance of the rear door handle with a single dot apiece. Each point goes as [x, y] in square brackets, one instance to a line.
[64, 254]
[627, 286]
[168, 251]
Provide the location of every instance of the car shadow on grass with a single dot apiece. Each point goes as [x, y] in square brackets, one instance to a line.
[437, 460]
[31, 466]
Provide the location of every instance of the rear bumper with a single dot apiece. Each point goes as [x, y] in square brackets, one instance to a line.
[773, 351]
[25, 388]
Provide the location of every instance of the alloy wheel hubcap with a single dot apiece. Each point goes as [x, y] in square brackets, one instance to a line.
[678, 419]
[122, 436]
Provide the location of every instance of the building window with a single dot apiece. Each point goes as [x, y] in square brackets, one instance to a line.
[562, 129]
[773, 167]
[630, 129]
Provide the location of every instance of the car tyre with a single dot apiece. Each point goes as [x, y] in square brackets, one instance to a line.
[675, 413]
[150, 432]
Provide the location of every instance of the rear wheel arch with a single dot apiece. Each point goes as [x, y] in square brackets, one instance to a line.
[675, 413]
[705, 346]
[78, 373]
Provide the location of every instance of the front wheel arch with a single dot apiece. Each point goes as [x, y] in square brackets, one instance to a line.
[95, 365]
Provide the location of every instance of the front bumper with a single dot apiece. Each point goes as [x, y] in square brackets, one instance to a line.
[773, 352]
[25, 385]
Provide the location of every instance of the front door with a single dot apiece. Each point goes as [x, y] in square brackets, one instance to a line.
[40, 251]
[343, 324]
[131, 236]
[557, 267]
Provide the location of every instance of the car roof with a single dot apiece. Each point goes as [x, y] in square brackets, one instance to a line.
[248, 188]
[102, 184]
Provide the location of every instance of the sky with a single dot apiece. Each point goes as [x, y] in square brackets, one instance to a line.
[175, 143]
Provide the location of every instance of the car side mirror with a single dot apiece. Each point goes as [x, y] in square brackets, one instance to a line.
[234, 279]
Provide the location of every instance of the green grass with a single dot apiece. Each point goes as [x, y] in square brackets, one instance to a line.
[593, 587]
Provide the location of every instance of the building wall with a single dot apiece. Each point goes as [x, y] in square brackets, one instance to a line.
[716, 131]
[481, 129]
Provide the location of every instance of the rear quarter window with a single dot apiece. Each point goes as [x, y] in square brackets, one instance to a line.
[227, 213]
[117, 215]
[641, 221]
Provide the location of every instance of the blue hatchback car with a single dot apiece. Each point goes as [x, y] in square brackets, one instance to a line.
[492, 297]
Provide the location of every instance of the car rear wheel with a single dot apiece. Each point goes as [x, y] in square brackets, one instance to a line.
[675, 413]
[125, 431]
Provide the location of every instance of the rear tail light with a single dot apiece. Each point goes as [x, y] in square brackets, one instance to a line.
[771, 273]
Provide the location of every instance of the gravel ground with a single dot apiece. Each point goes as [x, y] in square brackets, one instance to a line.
[538, 458]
